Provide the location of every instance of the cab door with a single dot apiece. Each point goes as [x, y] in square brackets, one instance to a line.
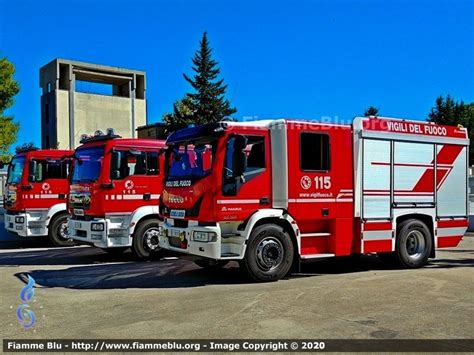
[313, 188]
[133, 179]
[246, 178]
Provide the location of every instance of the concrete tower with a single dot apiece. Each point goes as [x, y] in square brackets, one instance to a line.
[117, 100]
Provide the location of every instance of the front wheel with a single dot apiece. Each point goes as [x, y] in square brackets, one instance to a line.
[57, 232]
[269, 255]
[413, 244]
[146, 239]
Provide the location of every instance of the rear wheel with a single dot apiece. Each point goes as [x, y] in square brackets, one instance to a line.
[269, 255]
[57, 232]
[413, 245]
[146, 239]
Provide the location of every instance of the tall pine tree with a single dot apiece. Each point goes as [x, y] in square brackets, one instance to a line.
[207, 103]
[371, 111]
[448, 111]
[9, 87]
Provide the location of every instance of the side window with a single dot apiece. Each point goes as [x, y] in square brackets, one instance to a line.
[250, 149]
[255, 151]
[245, 159]
[152, 163]
[138, 163]
[314, 152]
[51, 169]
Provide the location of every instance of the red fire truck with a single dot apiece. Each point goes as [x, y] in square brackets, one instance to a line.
[36, 194]
[273, 193]
[114, 192]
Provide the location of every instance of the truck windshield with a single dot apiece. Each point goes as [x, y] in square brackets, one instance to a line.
[15, 169]
[189, 161]
[87, 164]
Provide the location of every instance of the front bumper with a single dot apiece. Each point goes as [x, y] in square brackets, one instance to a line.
[180, 240]
[116, 232]
[31, 223]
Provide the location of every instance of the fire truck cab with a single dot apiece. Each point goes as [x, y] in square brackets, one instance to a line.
[36, 194]
[272, 193]
[114, 192]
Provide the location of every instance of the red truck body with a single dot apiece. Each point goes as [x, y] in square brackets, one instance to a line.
[36, 194]
[114, 193]
[279, 191]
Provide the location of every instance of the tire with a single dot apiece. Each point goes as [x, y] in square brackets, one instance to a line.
[413, 245]
[115, 251]
[269, 255]
[57, 232]
[145, 239]
[210, 264]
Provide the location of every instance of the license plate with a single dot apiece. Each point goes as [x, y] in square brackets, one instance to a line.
[174, 232]
[78, 212]
[77, 224]
[177, 213]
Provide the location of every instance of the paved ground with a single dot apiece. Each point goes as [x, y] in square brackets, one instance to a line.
[83, 292]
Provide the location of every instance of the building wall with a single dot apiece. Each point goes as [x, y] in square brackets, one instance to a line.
[67, 114]
[97, 112]
[140, 113]
[62, 123]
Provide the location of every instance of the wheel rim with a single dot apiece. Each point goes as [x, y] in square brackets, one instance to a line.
[151, 239]
[415, 245]
[270, 254]
[63, 232]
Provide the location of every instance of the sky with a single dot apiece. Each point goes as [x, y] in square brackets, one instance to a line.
[294, 59]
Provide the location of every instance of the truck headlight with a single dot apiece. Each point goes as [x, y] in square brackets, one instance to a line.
[19, 220]
[98, 227]
[204, 237]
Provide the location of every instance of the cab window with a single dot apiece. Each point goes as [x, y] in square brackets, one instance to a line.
[41, 170]
[245, 160]
[133, 163]
[314, 152]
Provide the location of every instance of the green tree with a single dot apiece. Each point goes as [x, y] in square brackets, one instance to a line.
[371, 111]
[207, 103]
[9, 87]
[448, 111]
[182, 115]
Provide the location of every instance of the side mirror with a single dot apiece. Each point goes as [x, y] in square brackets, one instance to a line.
[115, 161]
[32, 171]
[239, 163]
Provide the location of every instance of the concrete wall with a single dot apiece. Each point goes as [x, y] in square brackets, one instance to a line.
[62, 114]
[73, 113]
[93, 112]
[140, 113]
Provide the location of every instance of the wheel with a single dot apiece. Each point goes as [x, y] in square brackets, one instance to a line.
[146, 239]
[57, 232]
[115, 251]
[413, 244]
[269, 254]
[211, 264]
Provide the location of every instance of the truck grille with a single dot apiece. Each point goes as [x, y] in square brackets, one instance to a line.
[80, 200]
